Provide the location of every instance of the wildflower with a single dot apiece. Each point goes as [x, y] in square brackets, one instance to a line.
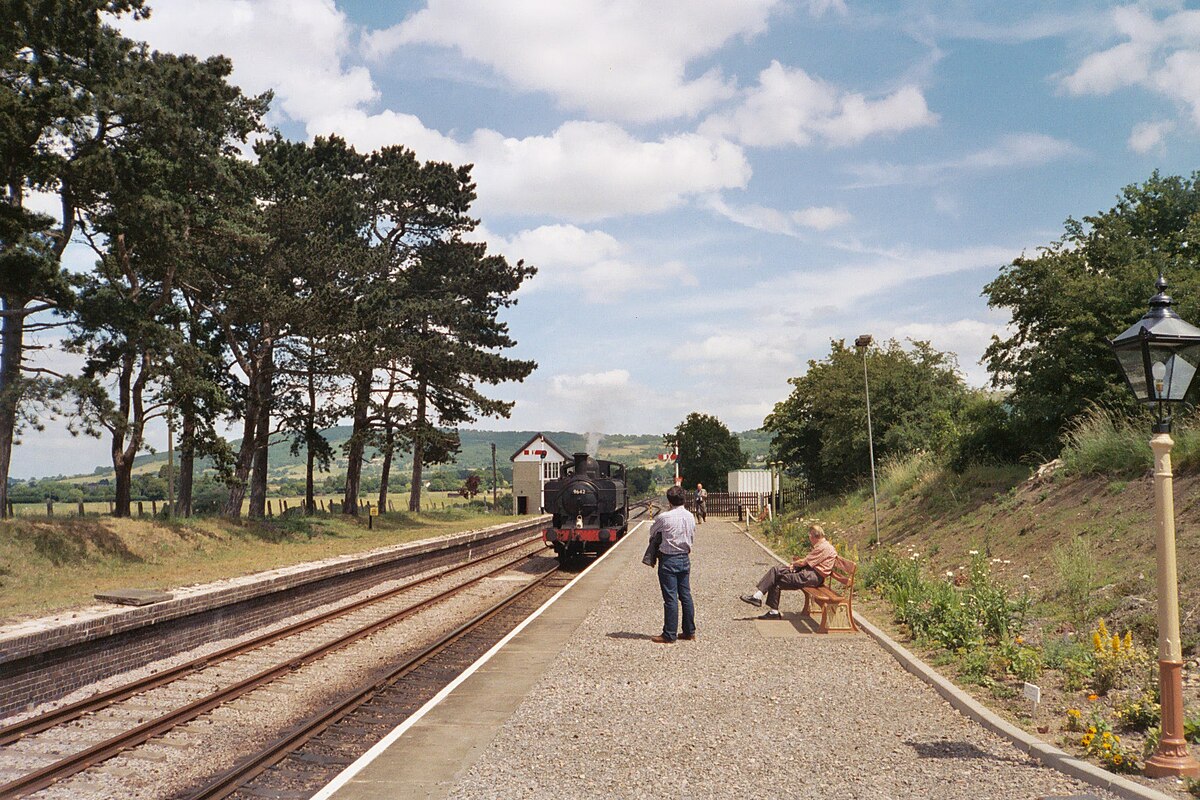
[949, 573]
[1020, 640]
[1024, 577]
[973, 552]
[1006, 561]
[1093, 697]
[1073, 712]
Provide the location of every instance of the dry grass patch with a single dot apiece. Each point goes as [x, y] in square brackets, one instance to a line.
[53, 565]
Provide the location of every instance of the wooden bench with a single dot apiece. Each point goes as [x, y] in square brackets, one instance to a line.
[837, 610]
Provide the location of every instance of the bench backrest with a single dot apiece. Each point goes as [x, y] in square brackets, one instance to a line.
[843, 571]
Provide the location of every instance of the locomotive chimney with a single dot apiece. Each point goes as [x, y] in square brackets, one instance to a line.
[581, 463]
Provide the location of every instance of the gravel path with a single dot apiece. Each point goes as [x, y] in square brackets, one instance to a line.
[743, 712]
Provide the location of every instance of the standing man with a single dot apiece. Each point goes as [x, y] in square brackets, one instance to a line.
[812, 570]
[701, 503]
[677, 529]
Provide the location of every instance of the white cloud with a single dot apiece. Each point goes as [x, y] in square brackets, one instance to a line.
[770, 220]
[615, 59]
[1147, 136]
[294, 47]
[567, 256]
[966, 338]
[1012, 150]
[789, 107]
[1161, 55]
[582, 171]
[821, 218]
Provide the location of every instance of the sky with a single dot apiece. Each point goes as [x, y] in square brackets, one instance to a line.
[713, 190]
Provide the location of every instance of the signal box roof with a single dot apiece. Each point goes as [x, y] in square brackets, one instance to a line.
[534, 446]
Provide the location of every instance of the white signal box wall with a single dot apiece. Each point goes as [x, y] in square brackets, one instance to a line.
[531, 470]
[749, 481]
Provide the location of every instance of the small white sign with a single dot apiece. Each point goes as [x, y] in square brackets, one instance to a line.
[1033, 693]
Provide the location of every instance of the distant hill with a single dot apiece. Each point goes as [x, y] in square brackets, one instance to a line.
[475, 452]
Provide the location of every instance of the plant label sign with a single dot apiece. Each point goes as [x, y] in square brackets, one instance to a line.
[1033, 693]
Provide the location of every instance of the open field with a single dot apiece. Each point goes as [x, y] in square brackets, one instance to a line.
[430, 501]
[52, 565]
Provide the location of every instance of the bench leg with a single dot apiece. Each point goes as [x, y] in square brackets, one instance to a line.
[841, 617]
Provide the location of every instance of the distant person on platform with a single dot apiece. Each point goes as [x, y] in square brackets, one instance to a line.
[676, 529]
[701, 503]
[812, 570]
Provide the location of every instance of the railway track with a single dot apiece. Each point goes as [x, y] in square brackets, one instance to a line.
[83, 729]
[350, 707]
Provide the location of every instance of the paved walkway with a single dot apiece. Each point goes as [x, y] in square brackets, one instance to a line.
[581, 704]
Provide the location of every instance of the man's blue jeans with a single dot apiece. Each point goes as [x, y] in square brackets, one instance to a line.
[674, 578]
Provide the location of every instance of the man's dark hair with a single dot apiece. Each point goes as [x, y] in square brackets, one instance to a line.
[675, 495]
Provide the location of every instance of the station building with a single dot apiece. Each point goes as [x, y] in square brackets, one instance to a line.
[535, 462]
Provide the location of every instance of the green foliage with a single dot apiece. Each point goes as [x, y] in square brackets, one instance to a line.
[916, 396]
[1075, 564]
[639, 480]
[708, 452]
[935, 610]
[1090, 284]
[1099, 740]
[1139, 712]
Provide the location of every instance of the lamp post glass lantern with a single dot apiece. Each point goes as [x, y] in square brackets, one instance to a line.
[1158, 356]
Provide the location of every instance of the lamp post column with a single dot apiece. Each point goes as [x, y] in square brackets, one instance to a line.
[1172, 757]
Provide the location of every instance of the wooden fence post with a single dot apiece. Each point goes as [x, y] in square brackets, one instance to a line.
[270, 511]
[49, 507]
[141, 510]
[110, 507]
[154, 508]
[81, 511]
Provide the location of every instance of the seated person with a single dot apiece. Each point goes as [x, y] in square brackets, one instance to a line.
[812, 570]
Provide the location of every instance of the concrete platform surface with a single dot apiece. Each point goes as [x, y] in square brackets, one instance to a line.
[580, 703]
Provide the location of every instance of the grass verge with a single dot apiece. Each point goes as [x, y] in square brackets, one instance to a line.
[48, 566]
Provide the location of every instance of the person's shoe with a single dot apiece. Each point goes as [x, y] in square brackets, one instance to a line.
[660, 639]
[688, 637]
[769, 615]
[752, 600]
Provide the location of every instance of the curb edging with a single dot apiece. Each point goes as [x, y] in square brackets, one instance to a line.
[968, 706]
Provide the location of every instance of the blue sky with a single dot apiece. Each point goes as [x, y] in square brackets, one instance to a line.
[714, 189]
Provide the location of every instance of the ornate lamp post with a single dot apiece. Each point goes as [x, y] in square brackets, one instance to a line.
[1159, 355]
[862, 343]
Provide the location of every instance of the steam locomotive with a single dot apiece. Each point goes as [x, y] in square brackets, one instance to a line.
[590, 507]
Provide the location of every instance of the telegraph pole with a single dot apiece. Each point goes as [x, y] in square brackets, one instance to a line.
[494, 508]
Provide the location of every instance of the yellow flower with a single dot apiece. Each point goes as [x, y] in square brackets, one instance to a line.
[1020, 640]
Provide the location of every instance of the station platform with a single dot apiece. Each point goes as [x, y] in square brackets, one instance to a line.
[580, 703]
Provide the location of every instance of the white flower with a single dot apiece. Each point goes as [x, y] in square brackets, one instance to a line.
[1024, 577]
[973, 552]
[1006, 561]
[949, 573]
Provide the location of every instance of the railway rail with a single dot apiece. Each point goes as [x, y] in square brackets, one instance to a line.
[84, 728]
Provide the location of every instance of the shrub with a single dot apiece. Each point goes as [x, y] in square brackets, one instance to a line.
[1098, 740]
[1140, 712]
[1075, 564]
[1116, 660]
[1105, 442]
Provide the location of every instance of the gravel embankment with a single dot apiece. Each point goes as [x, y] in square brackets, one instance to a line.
[742, 712]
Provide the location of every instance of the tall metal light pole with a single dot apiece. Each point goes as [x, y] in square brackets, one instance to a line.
[862, 343]
[1159, 355]
[542, 482]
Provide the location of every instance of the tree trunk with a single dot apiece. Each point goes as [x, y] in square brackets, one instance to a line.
[418, 443]
[358, 439]
[310, 503]
[12, 341]
[237, 489]
[310, 433]
[123, 477]
[389, 444]
[187, 458]
[262, 439]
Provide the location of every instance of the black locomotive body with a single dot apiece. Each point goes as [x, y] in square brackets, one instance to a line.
[590, 507]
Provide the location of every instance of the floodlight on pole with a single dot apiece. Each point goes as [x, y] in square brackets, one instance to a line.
[862, 343]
